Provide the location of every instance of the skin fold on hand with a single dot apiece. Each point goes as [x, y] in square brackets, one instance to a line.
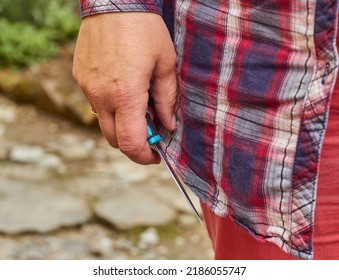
[118, 58]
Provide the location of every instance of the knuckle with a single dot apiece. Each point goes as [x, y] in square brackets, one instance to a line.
[118, 91]
[93, 84]
[121, 98]
[127, 100]
[96, 92]
[92, 88]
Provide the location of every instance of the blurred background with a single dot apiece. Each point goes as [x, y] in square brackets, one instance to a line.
[64, 193]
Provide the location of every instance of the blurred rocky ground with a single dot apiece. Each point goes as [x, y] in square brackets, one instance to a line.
[50, 87]
[65, 194]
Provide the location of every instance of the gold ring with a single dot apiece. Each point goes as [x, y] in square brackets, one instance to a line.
[94, 113]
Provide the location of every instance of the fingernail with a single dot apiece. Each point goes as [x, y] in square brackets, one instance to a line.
[174, 121]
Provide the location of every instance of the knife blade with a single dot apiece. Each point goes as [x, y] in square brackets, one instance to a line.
[154, 139]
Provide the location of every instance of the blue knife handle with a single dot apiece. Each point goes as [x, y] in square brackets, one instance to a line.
[152, 135]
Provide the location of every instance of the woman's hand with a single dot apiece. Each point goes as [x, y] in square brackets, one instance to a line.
[118, 57]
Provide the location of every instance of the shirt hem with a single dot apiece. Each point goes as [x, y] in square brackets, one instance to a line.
[220, 211]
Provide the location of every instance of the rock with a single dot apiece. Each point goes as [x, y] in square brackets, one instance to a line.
[92, 185]
[75, 153]
[68, 140]
[24, 172]
[72, 248]
[54, 162]
[210, 254]
[148, 238]
[67, 97]
[171, 195]
[29, 208]
[187, 220]
[27, 154]
[160, 172]
[50, 161]
[88, 144]
[51, 88]
[100, 155]
[7, 114]
[30, 252]
[179, 241]
[101, 246]
[53, 128]
[149, 255]
[73, 149]
[182, 206]
[27, 115]
[4, 150]
[3, 153]
[195, 239]
[8, 249]
[72, 243]
[134, 251]
[2, 130]
[124, 244]
[162, 250]
[131, 208]
[136, 173]
[37, 155]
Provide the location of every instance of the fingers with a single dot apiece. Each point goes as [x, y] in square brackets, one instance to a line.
[164, 91]
[124, 123]
[131, 133]
[107, 126]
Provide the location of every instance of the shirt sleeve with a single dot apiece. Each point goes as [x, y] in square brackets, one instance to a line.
[91, 7]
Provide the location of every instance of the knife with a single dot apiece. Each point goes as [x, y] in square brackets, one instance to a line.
[154, 139]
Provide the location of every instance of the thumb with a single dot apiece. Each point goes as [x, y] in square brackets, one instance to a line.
[164, 93]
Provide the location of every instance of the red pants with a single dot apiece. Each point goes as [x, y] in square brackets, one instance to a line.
[231, 242]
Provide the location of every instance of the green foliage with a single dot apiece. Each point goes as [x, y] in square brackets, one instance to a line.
[37, 12]
[22, 44]
[30, 29]
[61, 21]
[22, 10]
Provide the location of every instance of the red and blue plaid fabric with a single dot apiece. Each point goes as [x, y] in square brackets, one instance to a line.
[256, 79]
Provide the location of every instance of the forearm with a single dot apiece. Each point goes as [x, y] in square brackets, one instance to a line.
[91, 7]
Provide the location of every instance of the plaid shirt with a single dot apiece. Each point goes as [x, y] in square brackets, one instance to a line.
[256, 79]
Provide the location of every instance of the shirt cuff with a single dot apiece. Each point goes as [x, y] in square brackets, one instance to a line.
[91, 7]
